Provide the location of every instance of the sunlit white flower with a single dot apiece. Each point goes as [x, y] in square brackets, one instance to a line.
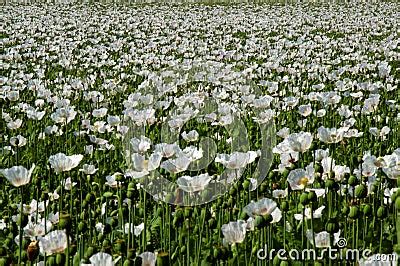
[63, 163]
[18, 175]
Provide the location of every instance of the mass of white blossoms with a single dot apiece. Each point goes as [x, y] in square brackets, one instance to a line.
[100, 102]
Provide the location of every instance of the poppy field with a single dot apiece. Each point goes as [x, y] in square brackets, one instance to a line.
[200, 134]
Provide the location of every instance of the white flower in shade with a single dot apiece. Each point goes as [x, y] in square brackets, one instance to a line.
[283, 133]
[34, 230]
[69, 184]
[148, 258]
[305, 110]
[234, 232]
[18, 141]
[191, 136]
[88, 169]
[2, 224]
[111, 181]
[280, 193]
[262, 207]
[331, 135]
[101, 259]
[136, 230]
[299, 178]
[140, 145]
[53, 242]
[300, 142]
[194, 183]
[63, 163]
[18, 175]
[99, 227]
[307, 213]
[237, 160]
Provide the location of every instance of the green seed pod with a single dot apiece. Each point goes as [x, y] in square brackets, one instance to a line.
[332, 227]
[128, 263]
[119, 245]
[212, 223]
[183, 249]
[3, 251]
[284, 263]
[345, 210]
[259, 221]
[353, 180]
[353, 212]
[276, 261]
[76, 260]
[330, 184]
[188, 212]
[65, 222]
[374, 187]
[90, 198]
[397, 203]
[317, 263]
[162, 258]
[285, 206]
[82, 227]
[246, 184]
[89, 252]
[131, 254]
[361, 191]
[367, 210]
[312, 196]
[60, 259]
[243, 216]
[304, 198]
[51, 261]
[3, 262]
[106, 243]
[381, 212]
[318, 168]
[285, 173]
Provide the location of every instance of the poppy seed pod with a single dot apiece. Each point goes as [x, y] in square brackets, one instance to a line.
[304, 198]
[397, 203]
[367, 210]
[332, 227]
[60, 259]
[51, 261]
[361, 191]
[331, 184]
[162, 258]
[353, 213]
[312, 196]
[4, 262]
[381, 212]
[119, 245]
[246, 184]
[33, 250]
[65, 222]
[285, 206]
[353, 180]
[127, 262]
[89, 252]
